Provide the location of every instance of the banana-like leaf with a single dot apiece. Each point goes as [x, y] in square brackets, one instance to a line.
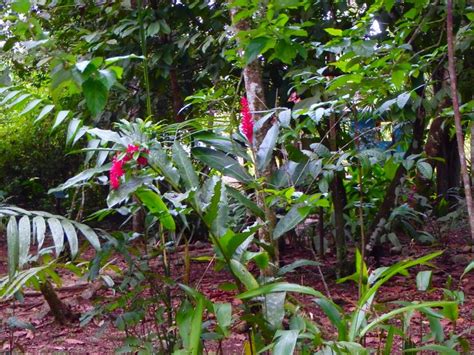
[185, 167]
[295, 215]
[157, 207]
[243, 275]
[222, 163]
[265, 150]
[285, 342]
[280, 287]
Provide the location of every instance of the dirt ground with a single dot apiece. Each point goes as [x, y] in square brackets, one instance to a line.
[100, 335]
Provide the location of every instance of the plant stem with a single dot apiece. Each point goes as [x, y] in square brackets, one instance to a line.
[146, 76]
[457, 117]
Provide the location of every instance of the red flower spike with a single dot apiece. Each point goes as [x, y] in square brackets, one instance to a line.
[247, 122]
[116, 172]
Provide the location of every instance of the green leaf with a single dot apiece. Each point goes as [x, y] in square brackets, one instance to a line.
[274, 309]
[425, 169]
[159, 159]
[296, 264]
[334, 31]
[89, 233]
[395, 312]
[95, 93]
[243, 275]
[217, 214]
[295, 215]
[402, 99]
[256, 47]
[230, 241]
[71, 235]
[58, 234]
[157, 207]
[249, 204]
[31, 105]
[21, 6]
[285, 342]
[185, 167]
[81, 178]
[265, 151]
[223, 163]
[398, 78]
[468, 268]
[196, 327]
[334, 315]
[44, 111]
[223, 313]
[423, 280]
[441, 349]
[24, 240]
[280, 287]
[39, 230]
[13, 247]
[124, 191]
[60, 117]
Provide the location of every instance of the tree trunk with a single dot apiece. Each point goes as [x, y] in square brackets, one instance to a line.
[339, 199]
[457, 116]
[252, 75]
[385, 208]
[176, 97]
[62, 314]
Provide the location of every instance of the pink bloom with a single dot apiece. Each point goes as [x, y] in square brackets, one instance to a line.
[247, 123]
[142, 161]
[116, 172]
[294, 97]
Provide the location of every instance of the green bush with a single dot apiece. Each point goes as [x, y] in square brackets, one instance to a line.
[32, 160]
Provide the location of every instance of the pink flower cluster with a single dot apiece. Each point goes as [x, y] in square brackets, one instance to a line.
[247, 123]
[117, 170]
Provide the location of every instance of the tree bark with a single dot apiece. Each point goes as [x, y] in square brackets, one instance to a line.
[62, 314]
[176, 97]
[457, 116]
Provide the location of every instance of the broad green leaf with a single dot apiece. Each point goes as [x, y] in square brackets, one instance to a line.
[223, 163]
[95, 93]
[265, 151]
[58, 234]
[24, 240]
[21, 6]
[280, 287]
[13, 246]
[296, 264]
[295, 215]
[230, 241]
[183, 320]
[44, 111]
[334, 31]
[159, 159]
[395, 312]
[398, 78]
[257, 46]
[81, 178]
[185, 167]
[423, 280]
[285, 342]
[217, 214]
[223, 313]
[243, 275]
[60, 117]
[334, 314]
[425, 169]
[249, 204]
[274, 309]
[125, 190]
[222, 143]
[71, 235]
[112, 60]
[157, 207]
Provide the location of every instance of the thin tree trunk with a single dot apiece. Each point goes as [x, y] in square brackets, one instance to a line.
[252, 75]
[457, 116]
[177, 99]
[62, 314]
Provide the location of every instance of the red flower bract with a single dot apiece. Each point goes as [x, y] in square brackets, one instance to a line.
[247, 123]
[116, 172]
